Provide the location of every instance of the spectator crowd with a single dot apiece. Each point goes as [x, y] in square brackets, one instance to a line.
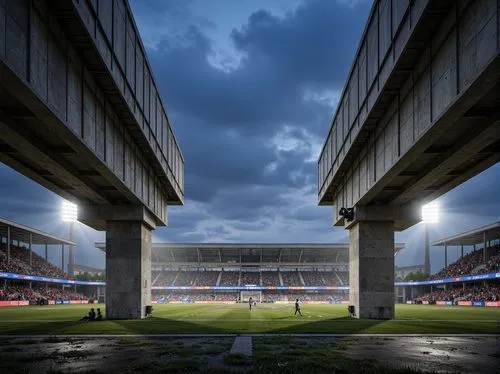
[469, 262]
[20, 263]
[455, 294]
[265, 278]
[25, 293]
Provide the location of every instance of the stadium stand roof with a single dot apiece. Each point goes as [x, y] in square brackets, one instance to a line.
[22, 233]
[476, 236]
[228, 254]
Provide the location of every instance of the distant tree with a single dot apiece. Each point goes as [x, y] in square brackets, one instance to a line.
[417, 276]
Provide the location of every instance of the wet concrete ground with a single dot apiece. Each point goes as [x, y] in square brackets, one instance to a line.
[438, 354]
[210, 354]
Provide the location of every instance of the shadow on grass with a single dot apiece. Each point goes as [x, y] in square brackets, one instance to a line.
[284, 324]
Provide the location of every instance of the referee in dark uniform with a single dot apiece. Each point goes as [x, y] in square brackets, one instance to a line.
[297, 307]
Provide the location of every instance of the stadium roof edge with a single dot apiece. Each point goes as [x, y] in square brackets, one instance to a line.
[21, 232]
[397, 246]
[472, 237]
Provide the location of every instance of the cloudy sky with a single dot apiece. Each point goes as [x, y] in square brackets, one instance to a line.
[251, 87]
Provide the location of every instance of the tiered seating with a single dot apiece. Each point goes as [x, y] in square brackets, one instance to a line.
[229, 278]
[250, 278]
[344, 276]
[165, 279]
[19, 263]
[313, 278]
[51, 293]
[331, 279]
[207, 278]
[291, 278]
[465, 265]
[493, 264]
[485, 293]
[186, 278]
[270, 278]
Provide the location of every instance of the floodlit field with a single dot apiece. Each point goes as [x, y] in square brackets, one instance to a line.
[236, 318]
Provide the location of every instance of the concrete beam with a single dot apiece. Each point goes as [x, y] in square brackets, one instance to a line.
[98, 216]
[13, 134]
[400, 215]
[478, 137]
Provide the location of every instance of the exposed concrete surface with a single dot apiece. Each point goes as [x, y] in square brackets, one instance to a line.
[242, 345]
[450, 354]
[206, 354]
[128, 278]
[371, 269]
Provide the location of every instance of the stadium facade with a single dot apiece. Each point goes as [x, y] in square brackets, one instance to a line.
[417, 117]
[268, 272]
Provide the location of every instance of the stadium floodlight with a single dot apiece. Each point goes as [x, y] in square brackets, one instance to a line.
[69, 212]
[430, 213]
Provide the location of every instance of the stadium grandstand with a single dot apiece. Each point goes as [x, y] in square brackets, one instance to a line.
[28, 278]
[473, 279]
[228, 272]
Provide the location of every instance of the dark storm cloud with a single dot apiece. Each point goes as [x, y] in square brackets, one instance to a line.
[310, 48]
[225, 120]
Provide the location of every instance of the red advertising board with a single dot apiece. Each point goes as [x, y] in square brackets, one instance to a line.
[493, 303]
[9, 303]
[440, 302]
[465, 303]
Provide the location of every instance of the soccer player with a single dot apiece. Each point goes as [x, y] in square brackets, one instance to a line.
[297, 307]
[250, 302]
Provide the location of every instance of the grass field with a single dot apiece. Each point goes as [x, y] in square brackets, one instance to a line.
[265, 318]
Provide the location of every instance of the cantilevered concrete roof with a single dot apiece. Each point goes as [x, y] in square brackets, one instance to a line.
[22, 233]
[476, 236]
[258, 252]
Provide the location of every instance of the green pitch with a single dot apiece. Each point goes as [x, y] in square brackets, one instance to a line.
[236, 318]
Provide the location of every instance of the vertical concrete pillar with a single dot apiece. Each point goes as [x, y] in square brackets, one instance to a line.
[62, 257]
[462, 251]
[46, 258]
[371, 269]
[128, 269]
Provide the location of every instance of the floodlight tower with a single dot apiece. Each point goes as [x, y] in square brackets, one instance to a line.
[430, 214]
[70, 214]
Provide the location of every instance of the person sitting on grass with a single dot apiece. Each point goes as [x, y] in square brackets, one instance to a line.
[90, 316]
[99, 315]
[350, 310]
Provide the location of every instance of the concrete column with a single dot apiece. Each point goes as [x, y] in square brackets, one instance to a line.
[128, 269]
[62, 256]
[462, 251]
[46, 258]
[371, 269]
